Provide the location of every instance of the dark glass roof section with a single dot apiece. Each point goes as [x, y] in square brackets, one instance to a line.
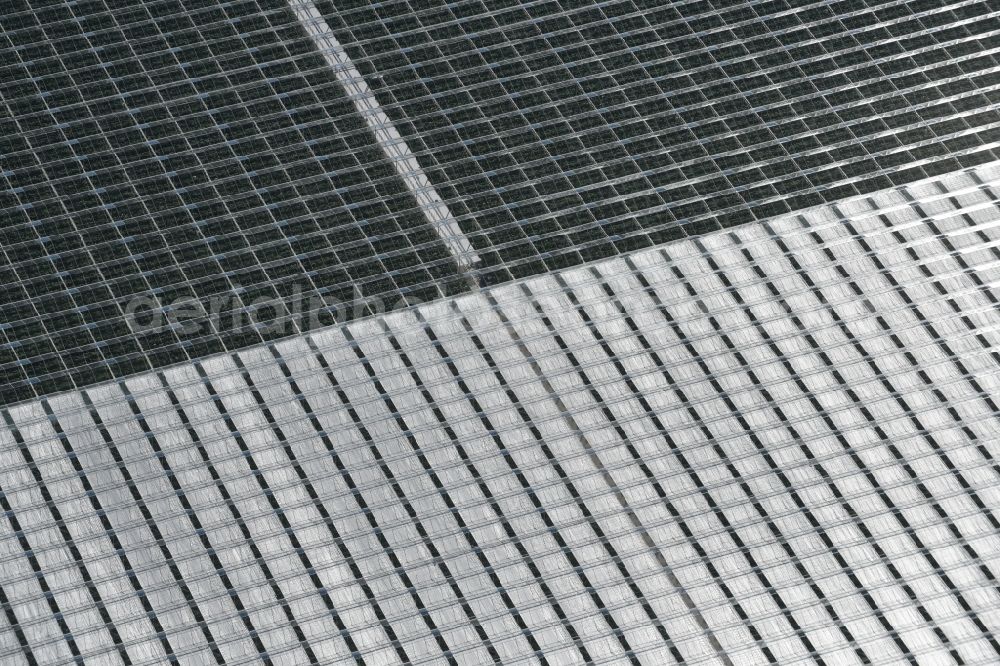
[560, 131]
[182, 150]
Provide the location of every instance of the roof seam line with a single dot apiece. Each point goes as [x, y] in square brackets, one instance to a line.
[386, 135]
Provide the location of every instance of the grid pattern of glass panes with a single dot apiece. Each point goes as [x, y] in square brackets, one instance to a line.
[570, 131]
[187, 149]
[182, 149]
[708, 453]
